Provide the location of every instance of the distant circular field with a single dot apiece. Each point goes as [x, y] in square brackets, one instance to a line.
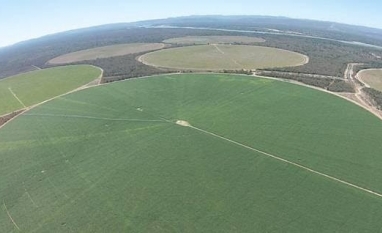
[219, 57]
[372, 77]
[214, 40]
[106, 51]
[192, 153]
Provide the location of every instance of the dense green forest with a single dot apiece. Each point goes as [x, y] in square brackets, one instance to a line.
[375, 95]
[123, 67]
[370, 65]
[325, 57]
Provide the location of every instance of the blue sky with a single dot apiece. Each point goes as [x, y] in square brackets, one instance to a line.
[25, 19]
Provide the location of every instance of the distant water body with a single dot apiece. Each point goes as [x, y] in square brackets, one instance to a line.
[273, 32]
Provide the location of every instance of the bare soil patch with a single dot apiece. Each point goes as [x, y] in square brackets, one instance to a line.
[7, 117]
[183, 123]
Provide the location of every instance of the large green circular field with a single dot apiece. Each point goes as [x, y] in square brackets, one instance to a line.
[220, 57]
[256, 155]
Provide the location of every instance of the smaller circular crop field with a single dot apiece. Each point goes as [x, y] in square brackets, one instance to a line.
[105, 52]
[27, 89]
[372, 77]
[220, 57]
[214, 40]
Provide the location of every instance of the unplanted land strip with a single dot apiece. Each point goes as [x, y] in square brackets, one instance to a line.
[105, 52]
[214, 40]
[265, 155]
[223, 57]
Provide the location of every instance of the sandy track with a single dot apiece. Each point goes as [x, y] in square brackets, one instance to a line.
[10, 217]
[306, 60]
[36, 67]
[222, 52]
[218, 49]
[359, 77]
[17, 98]
[360, 96]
